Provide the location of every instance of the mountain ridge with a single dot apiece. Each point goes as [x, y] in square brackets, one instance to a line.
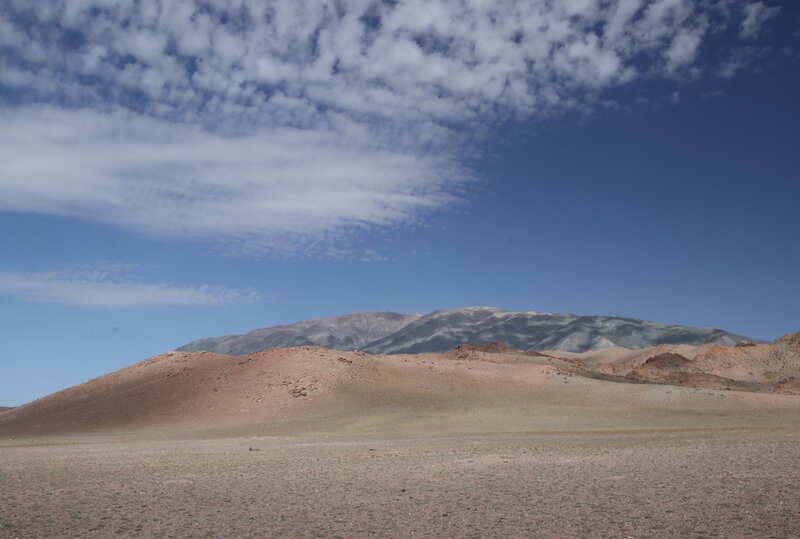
[383, 332]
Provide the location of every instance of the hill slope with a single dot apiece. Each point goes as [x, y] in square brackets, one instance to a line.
[472, 388]
[435, 332]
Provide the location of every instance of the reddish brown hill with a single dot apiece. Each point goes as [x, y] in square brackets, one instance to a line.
[486, 351]
[768, 367]
[182, 388]
[790, 338]
[472, 388]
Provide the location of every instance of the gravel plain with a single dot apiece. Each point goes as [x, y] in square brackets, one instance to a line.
[684, 483]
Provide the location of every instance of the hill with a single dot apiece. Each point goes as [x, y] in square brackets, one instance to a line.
[471, 388]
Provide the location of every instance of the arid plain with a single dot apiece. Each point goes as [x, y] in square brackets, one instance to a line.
[478, 441]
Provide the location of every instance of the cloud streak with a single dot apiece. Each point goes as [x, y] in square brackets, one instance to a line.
[288, 125]
[97, 290]
[265, 189]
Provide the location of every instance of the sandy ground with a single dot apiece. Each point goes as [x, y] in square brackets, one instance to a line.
[730, 482]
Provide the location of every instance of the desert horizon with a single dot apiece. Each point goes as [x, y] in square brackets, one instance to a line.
[283, 388]
[399, 268]
[481, 440]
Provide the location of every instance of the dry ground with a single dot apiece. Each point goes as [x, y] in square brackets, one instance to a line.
[477, 442]
[730, 482]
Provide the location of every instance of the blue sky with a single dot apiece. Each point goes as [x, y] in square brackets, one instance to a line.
[178, 171]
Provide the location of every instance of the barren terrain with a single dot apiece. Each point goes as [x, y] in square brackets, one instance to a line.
[706, 483]
[478, 441]
[481, 389]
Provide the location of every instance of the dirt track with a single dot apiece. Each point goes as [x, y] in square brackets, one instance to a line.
[724, 483]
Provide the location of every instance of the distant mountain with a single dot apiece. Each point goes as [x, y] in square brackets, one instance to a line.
[4, 408]
[438, 331]
[346, 332]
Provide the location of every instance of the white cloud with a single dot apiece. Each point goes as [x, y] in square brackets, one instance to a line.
[740, 58]
[756, 14]
[98, 289]
[275, 189]
[286, 125]
[683, 49]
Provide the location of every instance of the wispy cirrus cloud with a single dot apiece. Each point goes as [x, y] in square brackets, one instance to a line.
[285, 125]
[274, 189]
[100, 289]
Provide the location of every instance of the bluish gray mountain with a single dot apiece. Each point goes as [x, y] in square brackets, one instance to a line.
[438, 331]
[346, 332]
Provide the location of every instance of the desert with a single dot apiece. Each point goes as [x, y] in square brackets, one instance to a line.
[481, 440]
[399, 268]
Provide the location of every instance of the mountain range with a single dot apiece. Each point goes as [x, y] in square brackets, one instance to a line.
[435, 332]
